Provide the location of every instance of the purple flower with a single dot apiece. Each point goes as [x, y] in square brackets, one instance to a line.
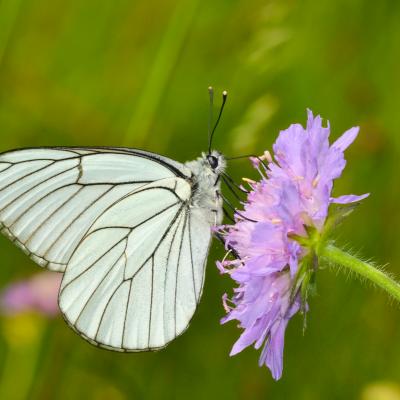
[38, 293]
[294, 193]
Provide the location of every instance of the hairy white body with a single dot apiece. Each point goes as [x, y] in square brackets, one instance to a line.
[207, 185]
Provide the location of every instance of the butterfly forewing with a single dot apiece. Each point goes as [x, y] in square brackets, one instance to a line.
[50, 197]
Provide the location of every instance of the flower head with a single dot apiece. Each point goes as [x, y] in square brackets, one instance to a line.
[292, 197]
[38, 293]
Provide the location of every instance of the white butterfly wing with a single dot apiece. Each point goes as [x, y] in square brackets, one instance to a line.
[134, 282]
[49, 197]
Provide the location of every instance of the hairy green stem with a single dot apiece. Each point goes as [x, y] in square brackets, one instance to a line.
[337, 256]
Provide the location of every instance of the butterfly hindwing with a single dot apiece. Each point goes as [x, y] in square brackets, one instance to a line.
[134, 282]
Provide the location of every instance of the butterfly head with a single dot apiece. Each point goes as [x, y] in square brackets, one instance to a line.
[207, 168]
[215, 161]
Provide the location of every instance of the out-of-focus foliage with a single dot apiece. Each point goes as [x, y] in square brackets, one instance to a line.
[135, 73]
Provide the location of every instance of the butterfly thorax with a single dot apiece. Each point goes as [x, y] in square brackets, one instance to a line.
[206, 171]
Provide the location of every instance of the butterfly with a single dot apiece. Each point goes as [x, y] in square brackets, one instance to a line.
[129, 229]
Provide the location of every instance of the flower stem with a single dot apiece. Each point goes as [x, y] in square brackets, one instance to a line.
[337, 256]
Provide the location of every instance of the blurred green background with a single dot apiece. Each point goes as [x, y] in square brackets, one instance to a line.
[135, 73]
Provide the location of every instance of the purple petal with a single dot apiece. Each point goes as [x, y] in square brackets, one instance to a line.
[289, 147]
[346, 139]
[272, 354]
[245, 340]
[310, 119]
[350, 198]
[332, 166]
[319, 135]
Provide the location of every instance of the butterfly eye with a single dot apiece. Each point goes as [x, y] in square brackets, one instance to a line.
[213, 161]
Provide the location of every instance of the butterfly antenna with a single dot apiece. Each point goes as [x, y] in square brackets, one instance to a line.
[210, 113]
[260, 159]
[224, 96]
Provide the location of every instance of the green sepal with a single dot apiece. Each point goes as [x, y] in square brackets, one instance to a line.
[337, 214]
[304, 281]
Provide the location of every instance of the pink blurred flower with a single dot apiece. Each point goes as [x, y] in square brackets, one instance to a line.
[38, 293]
